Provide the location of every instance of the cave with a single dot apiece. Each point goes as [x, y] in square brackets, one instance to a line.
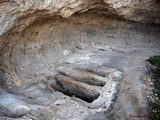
[83, 66]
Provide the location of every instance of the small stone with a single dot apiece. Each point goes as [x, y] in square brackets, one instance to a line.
[58, 103]
[22, 110]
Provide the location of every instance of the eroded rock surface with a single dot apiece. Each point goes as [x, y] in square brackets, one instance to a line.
[40, 37]
[20, 14]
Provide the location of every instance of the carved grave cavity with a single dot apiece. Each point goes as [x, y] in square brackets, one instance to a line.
[93, 86]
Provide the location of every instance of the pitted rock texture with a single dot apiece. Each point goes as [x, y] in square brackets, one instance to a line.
[20, 13]
[37, 37]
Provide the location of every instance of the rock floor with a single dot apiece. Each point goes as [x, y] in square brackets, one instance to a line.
[117, 94]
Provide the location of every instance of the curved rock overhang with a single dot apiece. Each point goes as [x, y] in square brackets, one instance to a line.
[38, 36]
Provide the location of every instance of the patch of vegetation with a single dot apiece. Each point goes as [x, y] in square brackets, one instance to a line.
[154, 106]
[155, 61]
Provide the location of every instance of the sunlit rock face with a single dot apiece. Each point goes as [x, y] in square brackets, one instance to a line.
[146, 11]
[58, 54]
[21, 13]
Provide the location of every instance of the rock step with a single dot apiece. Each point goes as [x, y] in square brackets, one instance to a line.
[84, 76]
[71, 87]
[100, 71]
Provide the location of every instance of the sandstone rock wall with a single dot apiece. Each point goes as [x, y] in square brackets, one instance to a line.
[38, 37]
[17, 15]
[21, 13]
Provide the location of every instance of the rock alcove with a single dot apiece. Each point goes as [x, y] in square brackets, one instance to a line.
[55, 65]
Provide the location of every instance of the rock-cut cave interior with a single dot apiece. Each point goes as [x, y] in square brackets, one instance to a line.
[76, 59]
